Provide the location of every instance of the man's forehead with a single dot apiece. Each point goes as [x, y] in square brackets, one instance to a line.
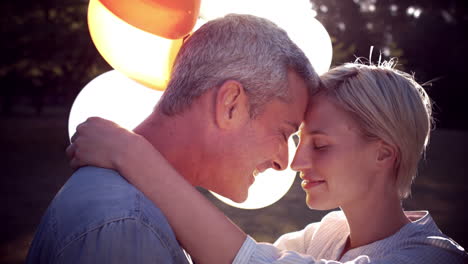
[299, 95]
[296, 115]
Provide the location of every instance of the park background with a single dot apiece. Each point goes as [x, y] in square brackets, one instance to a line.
[47, 57]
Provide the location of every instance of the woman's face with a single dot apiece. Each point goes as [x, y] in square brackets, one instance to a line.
[337, 164]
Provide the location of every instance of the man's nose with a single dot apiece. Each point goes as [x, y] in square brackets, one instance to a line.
[280, 162]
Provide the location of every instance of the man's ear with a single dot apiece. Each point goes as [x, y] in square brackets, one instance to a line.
[231, 105]
[386, 154]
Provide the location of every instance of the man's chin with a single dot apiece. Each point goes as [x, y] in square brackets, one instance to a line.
[238, 197]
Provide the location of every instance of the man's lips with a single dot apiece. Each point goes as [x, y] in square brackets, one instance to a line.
[255, 172]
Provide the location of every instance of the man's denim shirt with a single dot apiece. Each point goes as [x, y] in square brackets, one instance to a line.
[98, 217]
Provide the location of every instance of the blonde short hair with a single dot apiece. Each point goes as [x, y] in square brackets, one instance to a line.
[389, 105]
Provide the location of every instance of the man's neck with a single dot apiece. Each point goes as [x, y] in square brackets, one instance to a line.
[174, 138]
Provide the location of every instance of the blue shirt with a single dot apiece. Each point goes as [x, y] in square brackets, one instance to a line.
[98, 217]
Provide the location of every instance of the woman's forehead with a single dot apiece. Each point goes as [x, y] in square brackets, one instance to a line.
[323, 114]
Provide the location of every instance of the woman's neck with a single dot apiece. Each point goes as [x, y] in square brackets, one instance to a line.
[373, 219]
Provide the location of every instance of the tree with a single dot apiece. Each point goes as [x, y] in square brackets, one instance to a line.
[49, 53]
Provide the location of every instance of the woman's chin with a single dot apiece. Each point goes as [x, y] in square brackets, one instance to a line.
[320, 204]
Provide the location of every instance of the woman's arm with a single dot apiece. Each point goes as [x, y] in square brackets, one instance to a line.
[204, 231]
[200, 227]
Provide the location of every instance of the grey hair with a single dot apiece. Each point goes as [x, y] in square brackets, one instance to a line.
[389, 105]
[248, 49]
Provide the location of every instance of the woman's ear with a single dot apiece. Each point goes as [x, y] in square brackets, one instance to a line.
[231, 105]
[386, 155]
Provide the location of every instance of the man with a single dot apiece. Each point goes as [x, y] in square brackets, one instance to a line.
[238, 90]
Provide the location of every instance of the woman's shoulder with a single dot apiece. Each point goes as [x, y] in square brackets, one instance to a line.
[424, 231]
[419, 240]
[316, 236]
[422, 226]
[332, 219]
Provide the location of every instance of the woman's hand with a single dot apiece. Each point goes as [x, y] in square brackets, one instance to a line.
[100, 142]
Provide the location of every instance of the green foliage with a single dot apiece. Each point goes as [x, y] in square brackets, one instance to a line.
[342, 52]
[47, 51]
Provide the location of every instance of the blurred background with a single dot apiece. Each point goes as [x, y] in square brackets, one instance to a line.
[47, 57]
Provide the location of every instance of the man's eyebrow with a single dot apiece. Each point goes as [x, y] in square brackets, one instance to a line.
[294, 125]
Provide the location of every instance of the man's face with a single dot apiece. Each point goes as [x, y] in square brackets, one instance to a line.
[262, 143]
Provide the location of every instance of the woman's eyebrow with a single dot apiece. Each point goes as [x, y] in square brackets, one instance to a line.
[315, 132]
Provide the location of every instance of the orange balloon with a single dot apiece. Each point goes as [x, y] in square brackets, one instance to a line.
[140, 55]
[172, 19]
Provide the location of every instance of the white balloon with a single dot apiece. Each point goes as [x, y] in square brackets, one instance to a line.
[295, 16]
[116, 97]
[269, 186]
[310, 36]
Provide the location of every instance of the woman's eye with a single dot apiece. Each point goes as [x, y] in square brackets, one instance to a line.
[318, 147]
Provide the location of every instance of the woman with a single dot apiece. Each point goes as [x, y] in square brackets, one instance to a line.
[364, 133]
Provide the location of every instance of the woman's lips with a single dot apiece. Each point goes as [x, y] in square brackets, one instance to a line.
[308, 184]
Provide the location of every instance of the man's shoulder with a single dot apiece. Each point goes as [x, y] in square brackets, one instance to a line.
[98, 208]
[97, 191]
[93, 197]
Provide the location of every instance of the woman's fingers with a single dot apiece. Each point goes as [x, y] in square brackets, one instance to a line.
[73, 138]
[71, 154]
[70, 151]
[98, 142]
